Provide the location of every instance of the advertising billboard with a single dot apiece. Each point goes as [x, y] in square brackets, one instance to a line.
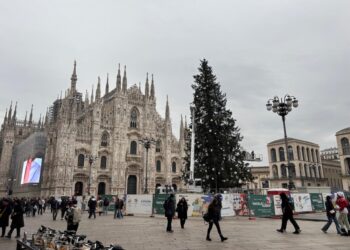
[31, 171]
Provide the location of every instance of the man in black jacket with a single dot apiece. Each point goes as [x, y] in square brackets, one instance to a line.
[169, 210]
[92, 207]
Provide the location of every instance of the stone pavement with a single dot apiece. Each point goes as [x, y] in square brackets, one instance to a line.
[136, 232]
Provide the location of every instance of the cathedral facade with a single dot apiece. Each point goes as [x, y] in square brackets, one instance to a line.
[96, 144]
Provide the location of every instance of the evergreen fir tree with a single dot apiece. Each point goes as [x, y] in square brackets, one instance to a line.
[218, 155]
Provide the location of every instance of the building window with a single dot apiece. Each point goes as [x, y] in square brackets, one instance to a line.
[81, 160]
[104, 139]
[320, 171]
[305, 170]
[312, 155]
[103, 164]
[173, 167]
[298, 152]
[281, 154]
[345, 146]
[273, 155]
[133, 118]
[290, 153]
[158, 146]
[133, 148]
[275, 171]
[284, 171]
[158, 166]
[308, 154]
[303, 153]
[317, 156]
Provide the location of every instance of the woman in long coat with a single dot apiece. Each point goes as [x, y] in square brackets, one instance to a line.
[5, 212]
[17, 219]
[181, 210]
[287, 211]
[214, 212]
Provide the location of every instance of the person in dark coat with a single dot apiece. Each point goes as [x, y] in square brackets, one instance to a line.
[64, 207]
[5, 212]
[181, 210]
[287, 211]
[92, 207]
[17, 219]
[169, 211]
[214, 212]
[331, 215]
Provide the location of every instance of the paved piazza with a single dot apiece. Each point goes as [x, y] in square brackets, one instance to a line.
[134, 232]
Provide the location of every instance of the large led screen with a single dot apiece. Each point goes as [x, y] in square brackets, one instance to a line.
[31, 171]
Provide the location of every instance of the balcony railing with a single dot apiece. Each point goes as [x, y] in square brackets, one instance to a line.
[134, 158]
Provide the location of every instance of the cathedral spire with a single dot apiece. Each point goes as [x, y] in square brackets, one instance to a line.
[39, 122]
[10, 114]
[25, 119]
[92, 94]
[14, 115]
[47, 117]
[31, 116]
[5, 118]
[119, 81]
[186, 123]
[167, 112]
[125, 83]
[107, 85]
[98, 89]
[181, 129]
[74, 79]
[86, 99]
[152, 88]
[147, 87]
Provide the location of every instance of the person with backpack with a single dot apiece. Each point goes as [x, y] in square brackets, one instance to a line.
[92, 207]
[287, 210]
[181, 210]
[331, 215]
[105, 205]
[73, 216]
[169, 211]
[342, 203]
[214, 216]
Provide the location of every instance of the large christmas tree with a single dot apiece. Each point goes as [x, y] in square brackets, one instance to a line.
[218, 155]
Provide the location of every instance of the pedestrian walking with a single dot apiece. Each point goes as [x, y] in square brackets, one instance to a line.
[17, 219]
[54, 208]
[105, 205]
[169, 211]
[100, 206]
[64, 207]
[214, 213]
[73, 216]
[92, 207]
[331, 215]
[181, 210]
[119, 205]
[287, 210]
[5, 212]
[342, 203]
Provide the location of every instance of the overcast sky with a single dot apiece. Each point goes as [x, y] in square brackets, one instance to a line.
[258, 49]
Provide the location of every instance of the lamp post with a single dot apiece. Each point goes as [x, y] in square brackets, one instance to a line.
[147, 142]
[91, 159]
[282, 108]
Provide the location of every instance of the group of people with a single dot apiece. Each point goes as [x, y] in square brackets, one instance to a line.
[214, 214]
[102, 206]
[14, 209]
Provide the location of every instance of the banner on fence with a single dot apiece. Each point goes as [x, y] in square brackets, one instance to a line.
[317, 202]
[227, 205]
[302, 202]
[261, 205]
[139, 204]
[277, 203]
[239, 202]
[158, 201]
[197, 203]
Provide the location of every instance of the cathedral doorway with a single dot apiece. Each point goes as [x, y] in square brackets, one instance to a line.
[101, 188]
[132, 184]
[78, 189]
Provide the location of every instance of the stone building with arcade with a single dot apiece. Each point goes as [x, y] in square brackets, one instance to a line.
[106, 128]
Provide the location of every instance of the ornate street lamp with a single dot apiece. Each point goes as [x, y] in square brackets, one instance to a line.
[91, 159]
[147, 142]
[282, 108]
